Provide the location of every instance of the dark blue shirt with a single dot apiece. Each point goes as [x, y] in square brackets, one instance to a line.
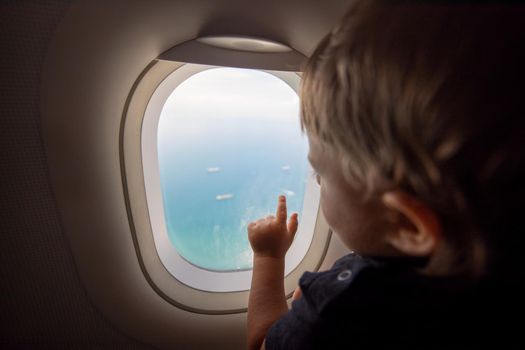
[369, 303]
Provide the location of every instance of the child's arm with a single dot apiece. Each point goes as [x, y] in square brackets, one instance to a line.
[270, 239]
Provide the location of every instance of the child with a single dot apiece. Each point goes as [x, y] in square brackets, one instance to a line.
[414, 118]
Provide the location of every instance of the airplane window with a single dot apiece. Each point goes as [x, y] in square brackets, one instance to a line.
[218, 146]
[228, 143]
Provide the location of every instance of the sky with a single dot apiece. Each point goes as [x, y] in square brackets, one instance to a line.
[232, 93]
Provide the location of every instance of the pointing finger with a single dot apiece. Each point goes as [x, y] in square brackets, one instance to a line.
[281, 209]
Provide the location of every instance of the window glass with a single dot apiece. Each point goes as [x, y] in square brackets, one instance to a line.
[229, 142]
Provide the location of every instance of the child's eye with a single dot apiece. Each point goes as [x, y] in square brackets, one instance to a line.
[316, 176]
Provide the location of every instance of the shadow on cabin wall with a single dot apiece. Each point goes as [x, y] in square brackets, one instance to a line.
[42, 302]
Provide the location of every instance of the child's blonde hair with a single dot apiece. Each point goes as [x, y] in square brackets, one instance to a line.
[426, 97]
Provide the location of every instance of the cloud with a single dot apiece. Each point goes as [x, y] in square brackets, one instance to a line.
[232, 93]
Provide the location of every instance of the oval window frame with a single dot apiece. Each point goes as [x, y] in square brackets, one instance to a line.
[176, 292]
[183, 270]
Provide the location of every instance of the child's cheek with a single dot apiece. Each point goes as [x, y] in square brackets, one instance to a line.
[328, 208]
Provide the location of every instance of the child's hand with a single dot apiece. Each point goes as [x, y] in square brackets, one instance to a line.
[297, 293]
[271, 236]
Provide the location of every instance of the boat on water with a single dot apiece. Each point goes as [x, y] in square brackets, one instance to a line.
[213, 169]
[221, 197]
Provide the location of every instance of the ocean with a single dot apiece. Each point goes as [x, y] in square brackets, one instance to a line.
[222, 168]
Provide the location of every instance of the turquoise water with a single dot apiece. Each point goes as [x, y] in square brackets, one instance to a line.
[223, 166]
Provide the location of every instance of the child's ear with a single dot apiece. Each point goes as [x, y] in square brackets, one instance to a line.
[418, 233]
